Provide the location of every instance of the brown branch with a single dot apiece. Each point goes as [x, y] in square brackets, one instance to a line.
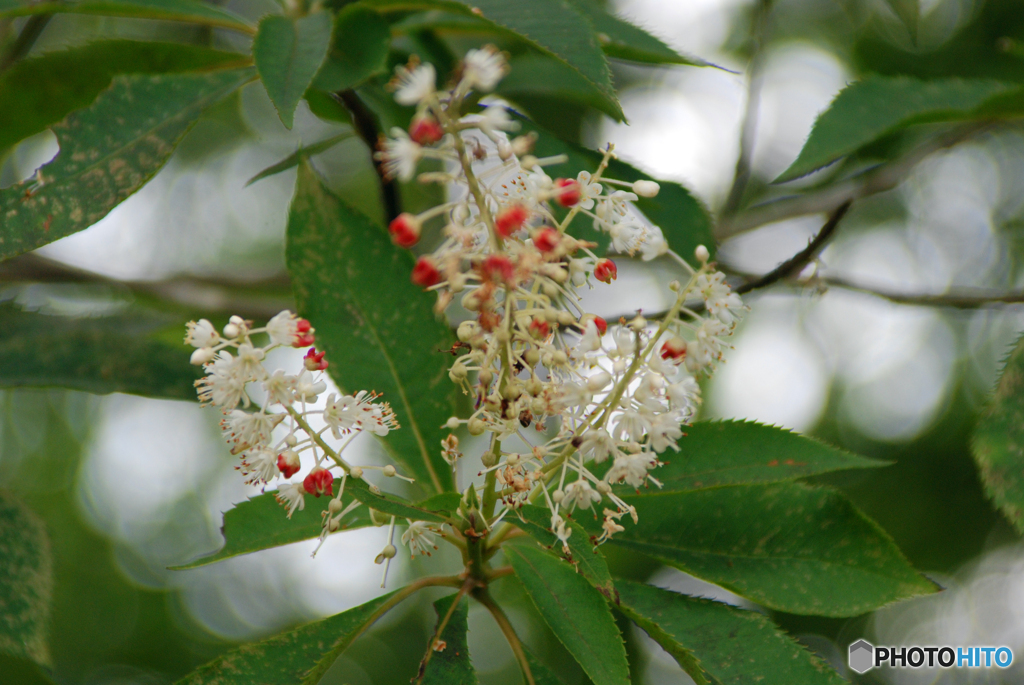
[881, 178]
[484, 597]
[249, 299]
[795, 264]
[966, 298]
[366, 126]
[441, 625]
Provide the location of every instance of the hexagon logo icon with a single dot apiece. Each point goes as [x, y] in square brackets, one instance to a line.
[862, 656]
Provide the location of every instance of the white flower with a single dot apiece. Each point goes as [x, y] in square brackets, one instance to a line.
[291, 495]
[260, 465]
[684, 394]
[573, 396]
[201, 334]
[280, 388]
[341, 414]
[627, 237]
[283, 328]
[251, 430]
[721, 301]
[631, 469]
[419, 538]
[664, 433]
[414, 85]
[223, 386]
[250, 362]
[484, 68]
[588, 191]
[400, 155]
[653, 244]
[306, 388]
[561, 530]
[591, 339]
[631, 423]
[599, 381]
[579, 493]
[598, 443]
[495, 118]
[610, 525]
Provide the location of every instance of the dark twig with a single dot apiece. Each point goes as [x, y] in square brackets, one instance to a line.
[755, 68]
[795, 264]
[484, 597]
[249, 299]
[366, 126]
[880, 179]
[973, 298]
[26, 39]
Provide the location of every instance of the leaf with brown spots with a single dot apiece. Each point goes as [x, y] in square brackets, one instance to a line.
[998, 443]
[101, 354]
[787, 546]
[299, 656]
[25, 583]
[108, 151]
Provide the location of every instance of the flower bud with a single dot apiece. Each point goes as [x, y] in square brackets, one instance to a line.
[567, 192]
[646, 188]
[674, 349]
[288, 463]
[231, 331]
[468, 329]
[547, 239]
[557, 496]
[510, 220]
[389, 470]
[425, 273]
[334, 506]
[497, 267]
[318, 482]
[202, 355]
[702, 254]
[314, 361]
[425, 130]
[540, 329]
[476, 427]
[405, 230]
[452, 423]
[488, 459]
[356, 472]
[457, 373]
[599, 381]
[531, 357]
[606, 271]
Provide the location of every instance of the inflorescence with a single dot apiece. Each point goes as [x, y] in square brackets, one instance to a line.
[572, 405]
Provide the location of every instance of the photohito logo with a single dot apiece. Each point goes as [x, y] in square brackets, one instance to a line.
[864, 656]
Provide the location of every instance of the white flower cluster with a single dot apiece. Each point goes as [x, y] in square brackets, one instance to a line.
[271, 439]
[593, 405]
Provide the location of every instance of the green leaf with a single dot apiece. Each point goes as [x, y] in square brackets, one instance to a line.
[359, 49]
[575, 611]
[552, 26]
[533, 75]
[379, 330]
[25, 582]
[192, 11]
[878, 106]
[717, 453]
[732, 646]
[786, 546]
[100, 355]
[108, 151]
[288, 53]
[293, 159]
[438, 509]
[451, 665]
[542, 675]
[624, 40]
[40, 91]
[683, 219]
[583, 554]
[327, 108]
[998, 442]
[298, 656]
[260, 522]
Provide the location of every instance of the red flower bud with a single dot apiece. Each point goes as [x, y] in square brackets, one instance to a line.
[567, 192]
[547, 239]
[405, 230]
[540, 328]
[674, 349]
[318, 482]
[606, 271]
[425, 130]
[288, 463]
[602, 325]
[425, 273]
[510, 220]
[314, 361]
[498, 267]
[303, 334]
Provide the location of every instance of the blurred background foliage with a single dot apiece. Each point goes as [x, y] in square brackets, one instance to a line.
[127, 486]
